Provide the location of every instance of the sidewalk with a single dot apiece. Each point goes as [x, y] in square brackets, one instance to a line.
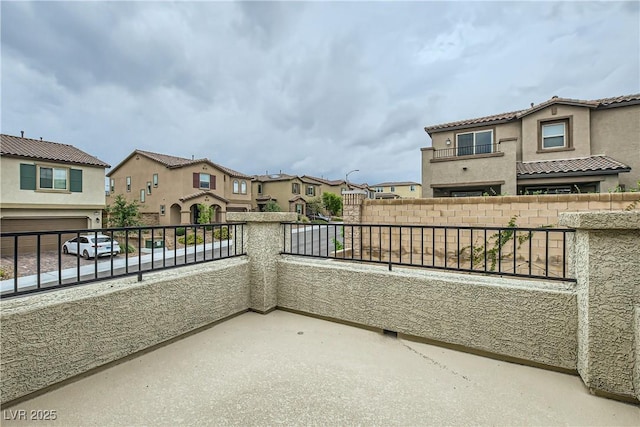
[104, 264]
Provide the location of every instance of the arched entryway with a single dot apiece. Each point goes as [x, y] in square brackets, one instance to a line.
[174, 214]
[216, 213]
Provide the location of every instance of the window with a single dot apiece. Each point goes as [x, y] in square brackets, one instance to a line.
[204, 180]
[155, 180]
[162, 210]
[128, 184]
[553, 135]
[113, 185]
[53, 178]
[393, 189]
[299, 209]
[259, 188]
[295, 188]
[243, 187]
[379, 189]
[472, 143]
[142, 194]
[311, 190]
[412, 188]
[148, 187]
[235, 186]
[34, 177]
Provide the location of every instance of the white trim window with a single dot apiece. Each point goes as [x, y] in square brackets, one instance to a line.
[235, 186]
[470, 143]
[53, 178]
[554, 135]
[243, 187]
[142, 196]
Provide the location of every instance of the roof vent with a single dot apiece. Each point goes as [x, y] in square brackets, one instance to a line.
[532, 105]
[554, 97]
[21, 134]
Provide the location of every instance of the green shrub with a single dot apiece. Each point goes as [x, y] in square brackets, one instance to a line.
[222, 233]
[130, 249]
[180, 231]
[191, 239]
[302, 218]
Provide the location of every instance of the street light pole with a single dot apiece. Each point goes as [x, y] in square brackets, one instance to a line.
[346, 178]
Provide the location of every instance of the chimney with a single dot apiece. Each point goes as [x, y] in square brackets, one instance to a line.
[21, 134]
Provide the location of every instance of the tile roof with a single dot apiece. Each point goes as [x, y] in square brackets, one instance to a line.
[15, 146]
[324, 180]
[274, 177]
[203, 193]
[395, 183]
[584, 164]
[505, 117]
[178, 162]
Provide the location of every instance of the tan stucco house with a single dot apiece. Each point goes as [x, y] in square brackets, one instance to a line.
[397, 190]
[169, 188]
[559, 146]
[292, 192]
[49, 186]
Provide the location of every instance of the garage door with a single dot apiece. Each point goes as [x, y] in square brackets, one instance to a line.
[47, 242]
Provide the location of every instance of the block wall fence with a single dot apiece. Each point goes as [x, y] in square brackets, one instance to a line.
[532, 211]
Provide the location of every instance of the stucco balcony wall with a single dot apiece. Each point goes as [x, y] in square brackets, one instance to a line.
[50, 337]
[515, 319]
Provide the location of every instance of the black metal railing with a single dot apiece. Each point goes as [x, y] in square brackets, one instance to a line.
[43, 261]
[522, 252]
[473, 150]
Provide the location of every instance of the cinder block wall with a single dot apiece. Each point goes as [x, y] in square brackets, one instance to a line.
[50, 337]
[532, 211]
[528, 320]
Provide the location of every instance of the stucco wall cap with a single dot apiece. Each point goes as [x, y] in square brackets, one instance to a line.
[262, 216]
[601, 220]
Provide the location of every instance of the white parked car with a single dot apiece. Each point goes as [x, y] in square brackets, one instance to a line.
[90, 245]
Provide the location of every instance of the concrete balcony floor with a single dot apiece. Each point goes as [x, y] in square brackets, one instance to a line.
[289, 369]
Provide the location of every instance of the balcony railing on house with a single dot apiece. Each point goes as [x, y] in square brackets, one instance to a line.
[42, 261]
[474, 150]
[522, 252]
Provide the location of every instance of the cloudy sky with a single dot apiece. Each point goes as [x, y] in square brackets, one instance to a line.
[303, 87]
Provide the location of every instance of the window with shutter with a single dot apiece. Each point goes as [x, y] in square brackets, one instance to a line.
[27, 177]
[75, 180]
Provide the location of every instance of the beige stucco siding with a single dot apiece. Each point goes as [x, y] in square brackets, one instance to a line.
[580, 135]
[92, 195]
[176, 183]
[471, 170]
[615, 132]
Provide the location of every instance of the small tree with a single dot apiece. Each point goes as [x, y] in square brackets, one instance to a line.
[205, 213]
[332, 202]
[272, 206]
[315, 206]
[123, 214]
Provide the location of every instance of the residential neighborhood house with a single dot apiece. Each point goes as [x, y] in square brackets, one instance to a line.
[397, 190]
[48, 186]
[292, 192]
[169, 189]
[559, 146]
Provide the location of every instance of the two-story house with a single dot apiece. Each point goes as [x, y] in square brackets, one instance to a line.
[290, 192]
[397, 190]
[169, 189]
[48, 186]
[559, 146]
